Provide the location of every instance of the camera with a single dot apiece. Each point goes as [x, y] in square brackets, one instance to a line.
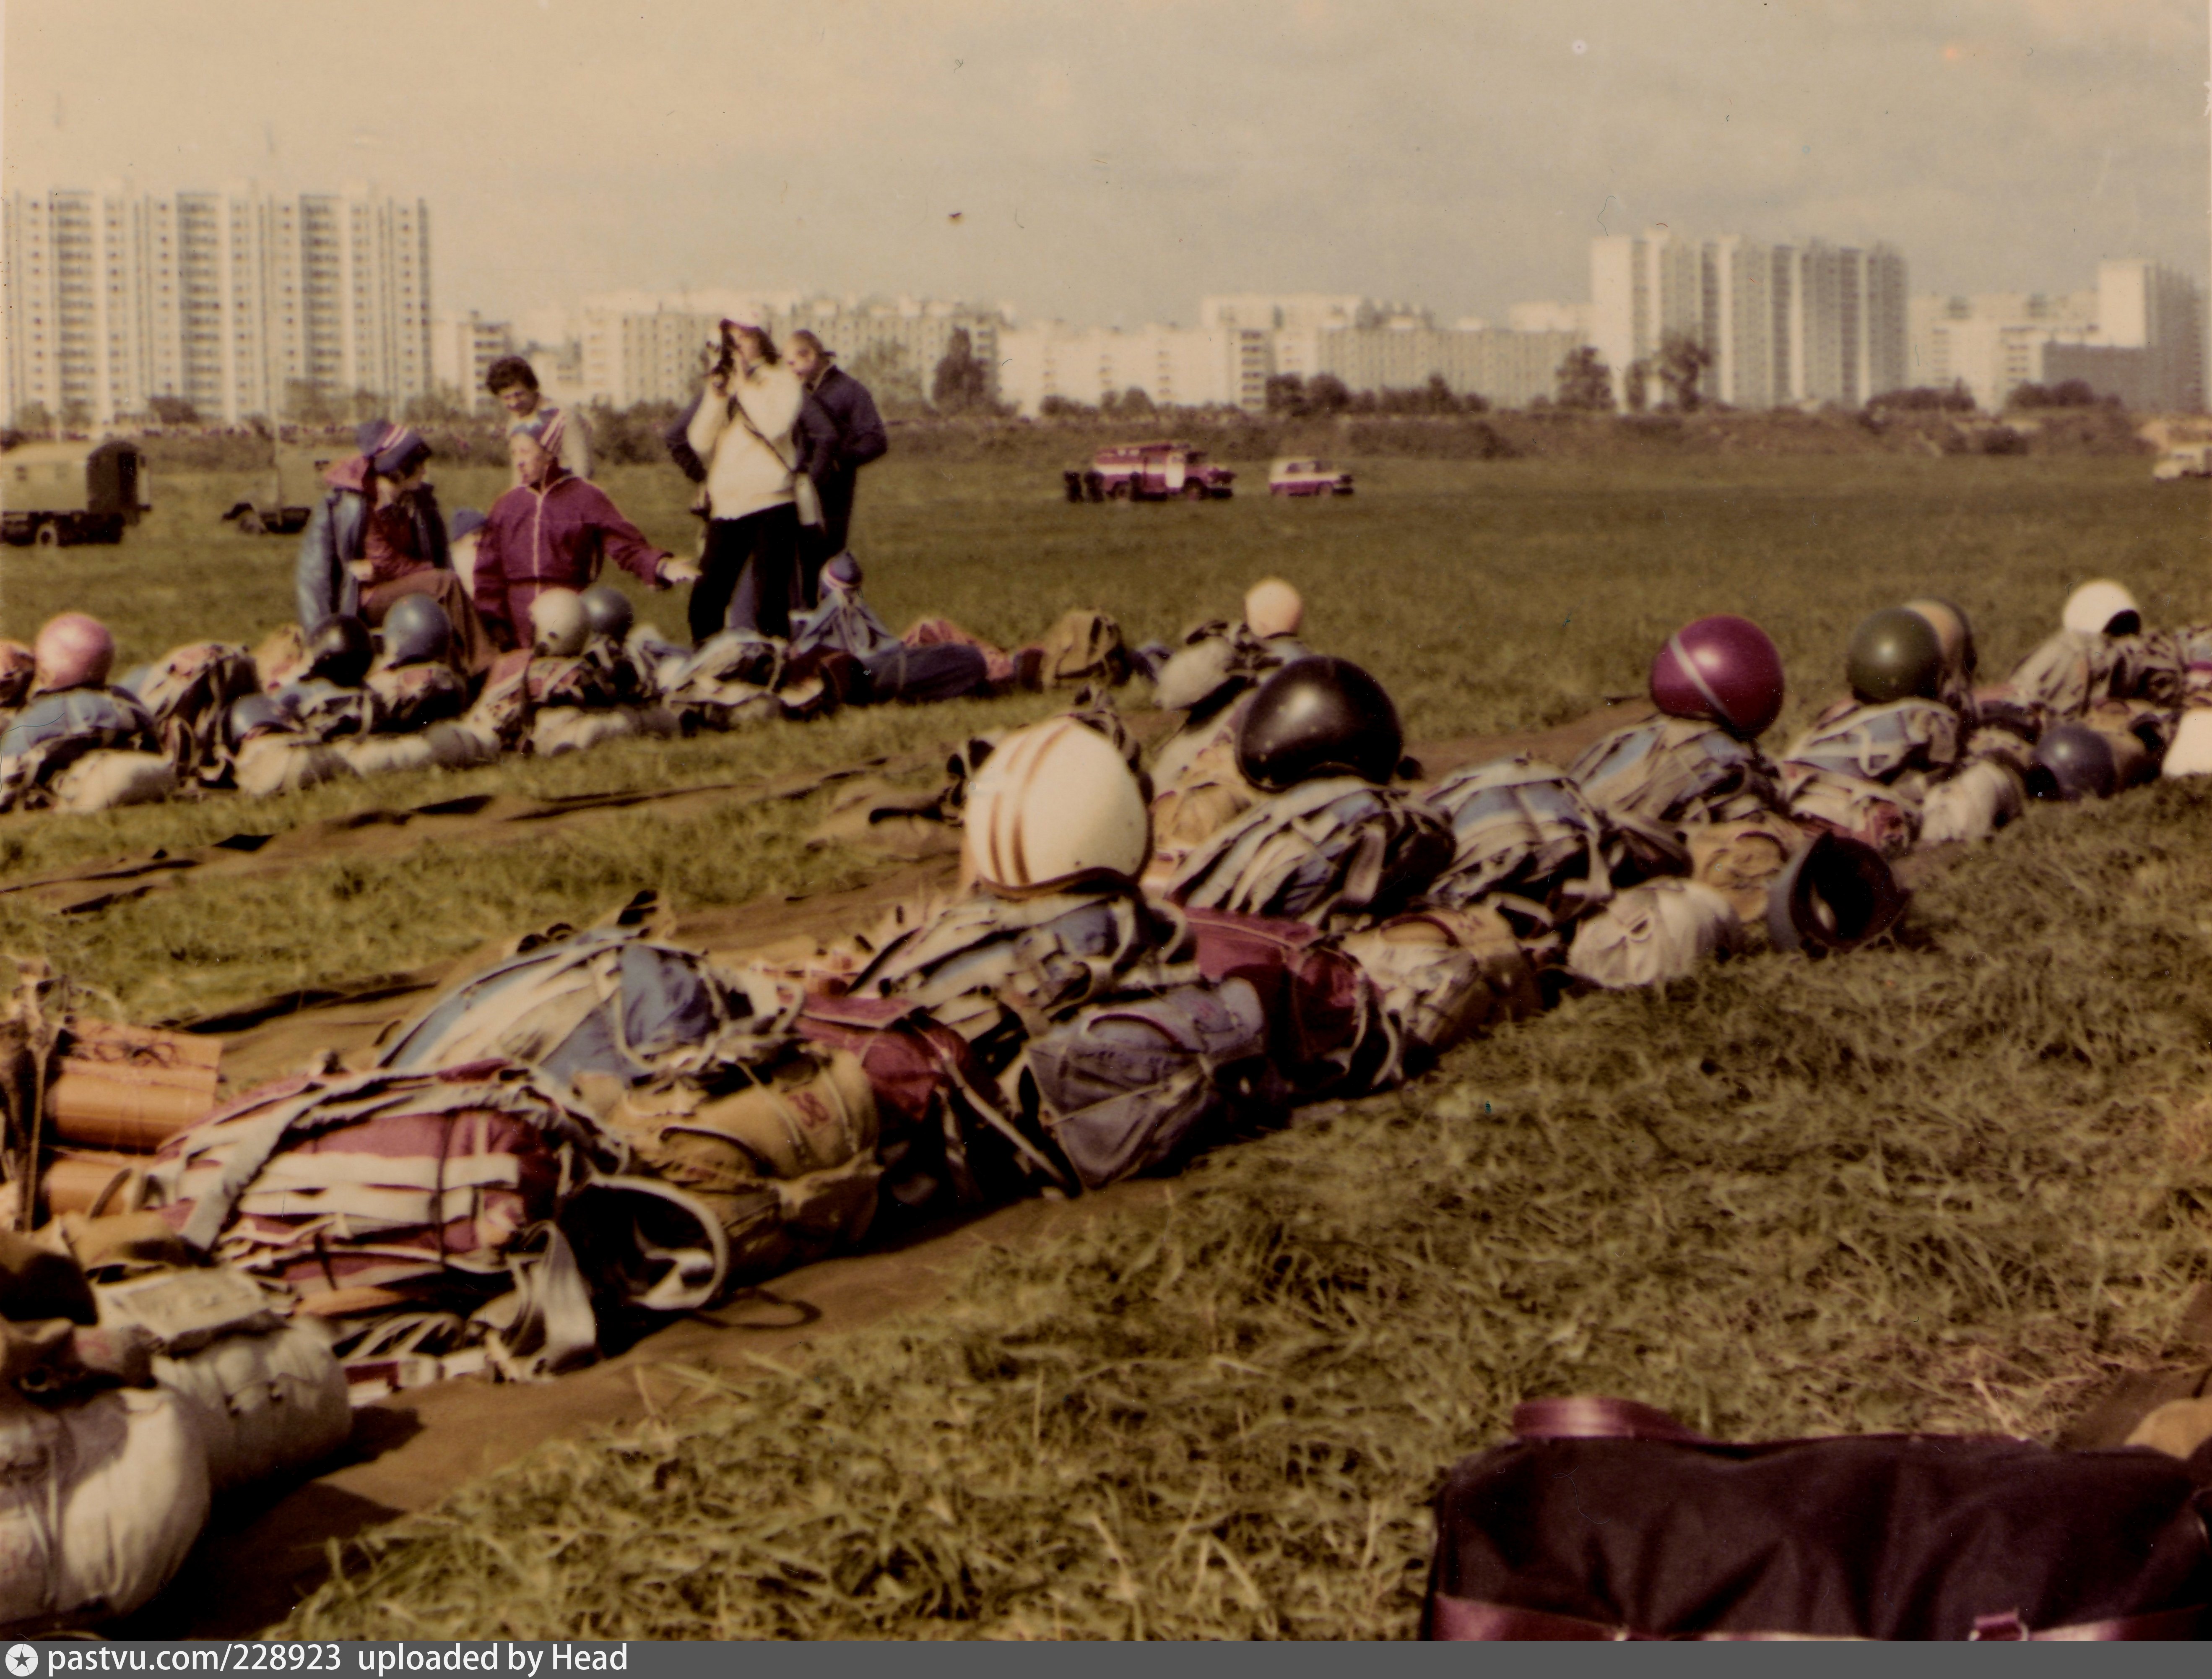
[726, 363]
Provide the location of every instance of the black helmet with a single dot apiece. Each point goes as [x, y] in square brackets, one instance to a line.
[1837, 894]
[254, 711]
[416, 631]
[1318, 716]
[2073, 762]
[607, 611]
[1895, 655]
[339, 650]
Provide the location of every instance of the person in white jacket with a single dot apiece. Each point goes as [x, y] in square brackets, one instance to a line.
[743, 434]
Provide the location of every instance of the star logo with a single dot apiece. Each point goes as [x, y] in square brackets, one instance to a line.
[22, 1660]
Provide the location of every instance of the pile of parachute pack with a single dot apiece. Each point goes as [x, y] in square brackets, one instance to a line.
[344, 700]
[605, 1128]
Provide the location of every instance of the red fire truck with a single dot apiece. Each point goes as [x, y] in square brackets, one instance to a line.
[1149, 472]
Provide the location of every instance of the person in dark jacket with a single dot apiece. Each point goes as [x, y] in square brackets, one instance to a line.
[376, 535]
[843, 434]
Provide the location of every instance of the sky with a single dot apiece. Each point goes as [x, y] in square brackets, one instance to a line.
[1112, 161]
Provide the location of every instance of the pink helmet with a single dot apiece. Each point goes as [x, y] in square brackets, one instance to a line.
[16, 667]
[74, 651]
[1723, 668]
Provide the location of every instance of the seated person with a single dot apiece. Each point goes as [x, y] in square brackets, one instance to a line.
[553, 531]
[377, 536]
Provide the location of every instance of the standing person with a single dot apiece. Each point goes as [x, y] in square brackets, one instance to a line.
[514, 384]
[742, 434]
[377, 535]
[846, 435]
[554, 531]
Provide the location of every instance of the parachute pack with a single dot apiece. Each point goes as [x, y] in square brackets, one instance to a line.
[1339, 846]
[1675, 772]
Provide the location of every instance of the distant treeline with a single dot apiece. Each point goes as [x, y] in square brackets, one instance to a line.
[631, 436]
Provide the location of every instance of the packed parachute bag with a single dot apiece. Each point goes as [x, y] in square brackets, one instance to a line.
[263, 1390]
[1335, 844]
[479, 1211]
[129, 1394]
[699, 1070]
[1333, 852]
[272, 754]
[1139, 1084]
[1606, 1519]
[946, 1138]
[2101, 651]
[2192, 644]
[414, 679]
[1718, 683]
[575, 693]
[1329, 1030]
[1442, 974]
[78, 745]
[189, 694]
[728, 682]
[1653, 933]
[1742, 860]
[1527, 842]
[1864, 768]
[1084, 646]
[1981, 797]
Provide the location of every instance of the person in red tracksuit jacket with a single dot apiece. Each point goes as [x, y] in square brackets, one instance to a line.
[553, 531]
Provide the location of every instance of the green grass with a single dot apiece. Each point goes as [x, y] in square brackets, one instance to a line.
[1943, 1185]
[1948, 1186]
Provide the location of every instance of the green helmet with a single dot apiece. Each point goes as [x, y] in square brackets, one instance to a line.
[1895, 655]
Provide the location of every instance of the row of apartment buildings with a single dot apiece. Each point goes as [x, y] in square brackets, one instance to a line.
[238, 300]
[2138, 336]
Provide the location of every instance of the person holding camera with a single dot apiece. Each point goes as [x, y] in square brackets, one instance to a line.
[742, 434]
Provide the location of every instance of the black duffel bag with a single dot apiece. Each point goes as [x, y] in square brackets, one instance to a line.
[1607, 1519]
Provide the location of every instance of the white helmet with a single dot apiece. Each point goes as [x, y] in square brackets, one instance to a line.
[558, 624]
[2093, 606]
[1052, 802]
[1272, 607]
[2191, 754]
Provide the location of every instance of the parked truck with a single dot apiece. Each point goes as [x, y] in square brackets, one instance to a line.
[291, 485]
[1149, 472]
[68, 492]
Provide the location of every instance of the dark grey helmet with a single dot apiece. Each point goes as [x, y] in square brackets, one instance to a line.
[253, 712]
[607, 611]
[339, 650]
[416, 631]
[2073, 762]
[1318, 716]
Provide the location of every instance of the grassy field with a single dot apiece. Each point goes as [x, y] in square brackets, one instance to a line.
[1945, 1185]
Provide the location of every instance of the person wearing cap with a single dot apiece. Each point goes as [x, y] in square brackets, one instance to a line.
[514, 385]
[377, 535]
[844, 433]
[742, 433]
[554, 531]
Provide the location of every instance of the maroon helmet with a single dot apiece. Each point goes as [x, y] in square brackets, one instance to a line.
[1722, 668]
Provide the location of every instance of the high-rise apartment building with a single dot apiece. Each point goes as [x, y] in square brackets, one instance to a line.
[2137, 336]
[240, 302]
[1807, 323]
[463, 347]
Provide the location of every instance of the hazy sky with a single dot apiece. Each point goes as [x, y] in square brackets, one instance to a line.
[1111, 160]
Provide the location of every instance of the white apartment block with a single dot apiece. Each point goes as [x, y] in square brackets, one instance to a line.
[2138, 336]
[644, 347]
[1783, 324]
[1180, 366]
[233, 300]
[463, 347]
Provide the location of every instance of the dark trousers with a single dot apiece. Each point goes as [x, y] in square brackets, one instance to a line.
[818, 545]
[750, 578]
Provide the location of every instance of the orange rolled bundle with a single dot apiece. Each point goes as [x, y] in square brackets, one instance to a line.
[82, 1181]
[128, 1087]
